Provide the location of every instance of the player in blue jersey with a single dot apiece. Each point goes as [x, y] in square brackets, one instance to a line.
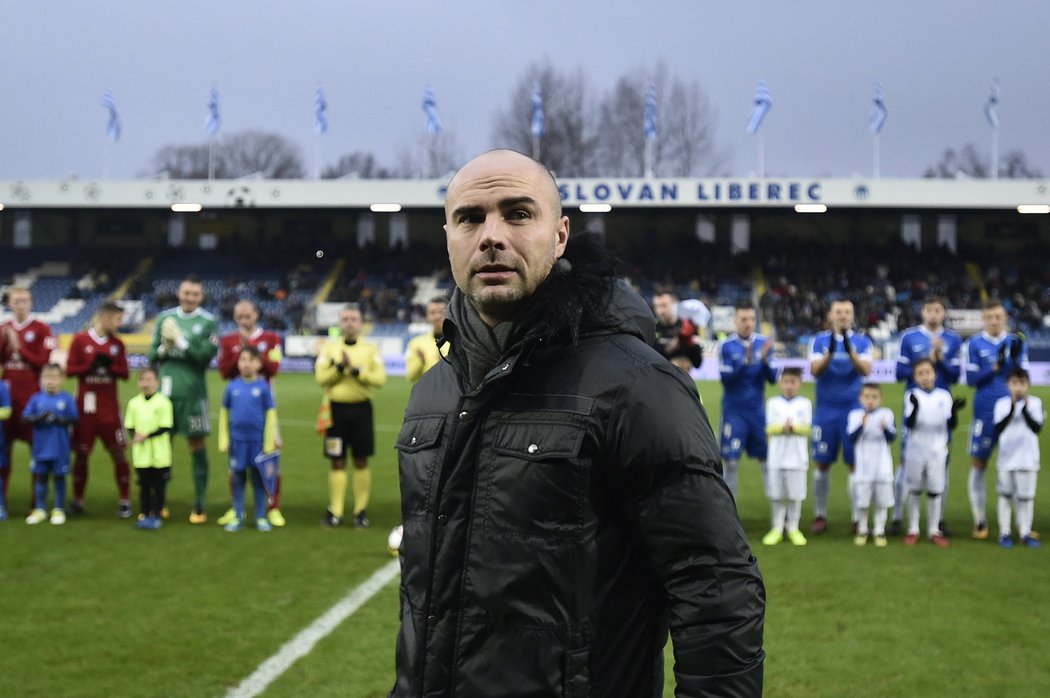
[51, 412]
[743, 361]
[839, 359]
[990, 356]
[5, 414]
[943, 347]
[247, 430]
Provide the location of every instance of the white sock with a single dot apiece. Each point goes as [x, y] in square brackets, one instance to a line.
[899, 494]
[794, 515]
[1025, 512]
[1004, 515]
[933, 512]
[880, 520]
[944, 494]
[779, 513]
[732, 475]
[821, 486]
[862, 521]
[849, 493]
[977, 495]
[913, 513]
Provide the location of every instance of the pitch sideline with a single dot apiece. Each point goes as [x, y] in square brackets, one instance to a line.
[303, 643]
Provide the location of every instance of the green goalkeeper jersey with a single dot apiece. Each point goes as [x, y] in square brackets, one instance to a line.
[183, 363]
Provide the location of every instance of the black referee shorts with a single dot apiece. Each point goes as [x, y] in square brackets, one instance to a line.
[352, 429]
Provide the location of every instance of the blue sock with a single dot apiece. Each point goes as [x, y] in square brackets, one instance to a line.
[3, 477]
[259, 492]
[40, 491]
[239, 478]
[60, 492]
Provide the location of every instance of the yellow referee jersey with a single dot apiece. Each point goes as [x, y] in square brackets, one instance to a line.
[422, 355]
[349, 372]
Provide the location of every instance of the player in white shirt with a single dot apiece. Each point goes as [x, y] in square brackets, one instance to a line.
[789, 421]
[872, 428]
[1018, 419]
[929, 415]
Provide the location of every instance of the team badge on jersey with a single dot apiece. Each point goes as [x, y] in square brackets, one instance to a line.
[30, 336]
[256, 392]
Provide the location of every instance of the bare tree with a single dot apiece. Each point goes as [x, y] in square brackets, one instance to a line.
[429, 158]
[237, 155]
[357, 164]
[568, 144]
[684, 144]
[967, 162]
[256, 152]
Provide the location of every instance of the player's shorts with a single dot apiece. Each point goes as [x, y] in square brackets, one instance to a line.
[983, 437]
[829, 432]
[878, 493]
[741, 432]
[97, 426]
[51, 466]
[786, 485]
[351, 429]
[243, 453]
[1017, 483]
[925, 475]
[191, 417]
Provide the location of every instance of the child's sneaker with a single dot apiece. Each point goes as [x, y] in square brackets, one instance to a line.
[198, 517]
[263, 525]
[911, 539]
[276, 517]
[330, 520]
[796, 537]
[36, 516]
[361, 520]
[58, 517]
[1031, 542]
[880, 541]
[860, 540]
[939, 540]
[980, 531]
[233, 526]
[155, 523]
[1006, 541]
[774, 537]
[3, 513]
[226, 518]
[123, 510]
[144, 523]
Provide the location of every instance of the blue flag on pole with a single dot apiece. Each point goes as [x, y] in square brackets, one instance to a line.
[269, 467]
[430, 109]
[650, 112]
[878, 110]
[113, 124]
[763, 103]
[320, 112]
[537, 111]
[991, 107]
[214, 121]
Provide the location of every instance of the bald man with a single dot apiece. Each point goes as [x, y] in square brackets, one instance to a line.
[560, 478]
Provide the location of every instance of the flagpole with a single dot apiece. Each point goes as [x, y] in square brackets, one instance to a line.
[761, 143]
[648, 158]
[317, 157]
[211, 158]
[875, 156]
[107, 157]
[535, 147]
[995, 152]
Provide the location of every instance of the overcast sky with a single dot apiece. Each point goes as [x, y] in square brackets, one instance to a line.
[936, 60]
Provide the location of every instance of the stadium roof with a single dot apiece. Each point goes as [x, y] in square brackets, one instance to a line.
[615, 192]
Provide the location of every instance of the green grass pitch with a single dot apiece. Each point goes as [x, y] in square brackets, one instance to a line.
[97, 608]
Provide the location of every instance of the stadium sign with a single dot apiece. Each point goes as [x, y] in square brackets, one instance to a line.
[699, 192]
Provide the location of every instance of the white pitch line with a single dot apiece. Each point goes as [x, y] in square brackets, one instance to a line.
[303, 643]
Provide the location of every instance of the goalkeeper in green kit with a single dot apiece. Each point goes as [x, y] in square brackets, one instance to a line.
[185, 340]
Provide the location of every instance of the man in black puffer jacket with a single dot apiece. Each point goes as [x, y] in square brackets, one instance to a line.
[562, 496]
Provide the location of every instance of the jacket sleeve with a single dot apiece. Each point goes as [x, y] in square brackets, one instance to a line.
[120, 363]
[374, 374]
[669, 460]
[413, 362]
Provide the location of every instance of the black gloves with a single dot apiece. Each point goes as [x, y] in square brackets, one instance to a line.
[1002, 352]
[846, 344]
[1016, 347]
[958, 404]
[832, 343]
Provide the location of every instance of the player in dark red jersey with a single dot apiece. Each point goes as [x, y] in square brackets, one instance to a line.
[25, 346]
[98, 360]
[249, 334]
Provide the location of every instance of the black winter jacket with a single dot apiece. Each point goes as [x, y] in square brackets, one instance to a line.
[562, 516]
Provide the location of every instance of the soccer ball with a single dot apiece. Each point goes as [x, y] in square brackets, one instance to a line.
[393, 541]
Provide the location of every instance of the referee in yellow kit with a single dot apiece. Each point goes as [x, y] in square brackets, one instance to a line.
[349, 370]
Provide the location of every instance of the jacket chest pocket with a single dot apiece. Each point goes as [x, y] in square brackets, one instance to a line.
[418, 455]
[535, 481]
